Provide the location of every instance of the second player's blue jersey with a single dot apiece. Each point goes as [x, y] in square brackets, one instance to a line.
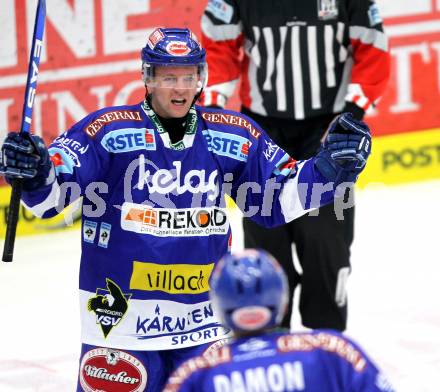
[319, 361]
[154, 216]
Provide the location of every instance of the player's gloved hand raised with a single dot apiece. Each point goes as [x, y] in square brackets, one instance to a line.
[345, 150]
[25, 156]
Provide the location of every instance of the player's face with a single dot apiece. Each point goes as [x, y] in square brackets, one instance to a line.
[174, 90]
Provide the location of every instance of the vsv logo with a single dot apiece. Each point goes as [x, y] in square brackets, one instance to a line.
[109, 306]
[227, 144]
[129, 139]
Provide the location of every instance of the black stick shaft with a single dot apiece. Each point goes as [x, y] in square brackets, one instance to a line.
[29, 97]
[11, 228]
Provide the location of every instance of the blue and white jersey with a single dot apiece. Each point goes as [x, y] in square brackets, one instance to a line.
[319, 361]
[154, 216]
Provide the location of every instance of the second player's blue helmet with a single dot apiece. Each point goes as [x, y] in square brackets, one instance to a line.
[249, 290]
[173, 47]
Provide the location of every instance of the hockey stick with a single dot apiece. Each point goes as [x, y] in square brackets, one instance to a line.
[29, 97]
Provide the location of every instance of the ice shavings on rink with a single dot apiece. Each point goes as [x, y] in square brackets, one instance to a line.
[394, 295]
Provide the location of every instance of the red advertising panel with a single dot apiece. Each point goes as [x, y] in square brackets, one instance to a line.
[411, 100]
[91, 57]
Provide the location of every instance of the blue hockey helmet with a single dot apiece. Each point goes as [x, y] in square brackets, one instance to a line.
[249, 290]
[173, 47]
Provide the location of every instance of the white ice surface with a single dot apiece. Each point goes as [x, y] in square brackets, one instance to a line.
[394, 295]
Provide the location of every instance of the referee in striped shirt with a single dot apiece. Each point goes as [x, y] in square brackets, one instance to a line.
[298, 64]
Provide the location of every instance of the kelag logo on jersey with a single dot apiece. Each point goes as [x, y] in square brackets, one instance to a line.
[129, 139]
[176, 180]
[171, 278]
[109, 306]
[227, 144]
[163, 222]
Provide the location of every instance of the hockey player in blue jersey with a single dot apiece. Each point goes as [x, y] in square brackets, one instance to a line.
[153, 178]
[249, 290]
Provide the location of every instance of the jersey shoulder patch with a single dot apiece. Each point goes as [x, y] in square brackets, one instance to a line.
[229, 120]
[99, 119]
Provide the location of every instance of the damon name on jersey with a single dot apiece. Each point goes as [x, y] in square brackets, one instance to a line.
[319, 361]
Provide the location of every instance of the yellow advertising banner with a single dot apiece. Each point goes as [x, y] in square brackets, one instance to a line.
[171, 278]
[30, 224]
[403, 157]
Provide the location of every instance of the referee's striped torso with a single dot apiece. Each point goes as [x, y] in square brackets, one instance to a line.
[298, 54]
[293, 69]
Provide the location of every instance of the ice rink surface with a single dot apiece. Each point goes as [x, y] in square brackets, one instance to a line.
[394, 295]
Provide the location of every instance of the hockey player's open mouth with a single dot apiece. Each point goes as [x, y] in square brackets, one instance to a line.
[179, 102]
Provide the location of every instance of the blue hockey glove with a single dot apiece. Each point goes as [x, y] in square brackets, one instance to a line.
[345, 150]
[25, 156]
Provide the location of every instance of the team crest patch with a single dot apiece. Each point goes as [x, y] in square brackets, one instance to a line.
[228, 119]
[109, 306]
[105, 369]
[251, 318]
[155, 37]
[327, 9]
[374, 15]
[89, 231]
[286, 166]
[63, 159]
[178, 48]
[221, 10]
[104, 234]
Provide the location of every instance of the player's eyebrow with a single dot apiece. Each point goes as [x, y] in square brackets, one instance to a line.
[173, 74]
